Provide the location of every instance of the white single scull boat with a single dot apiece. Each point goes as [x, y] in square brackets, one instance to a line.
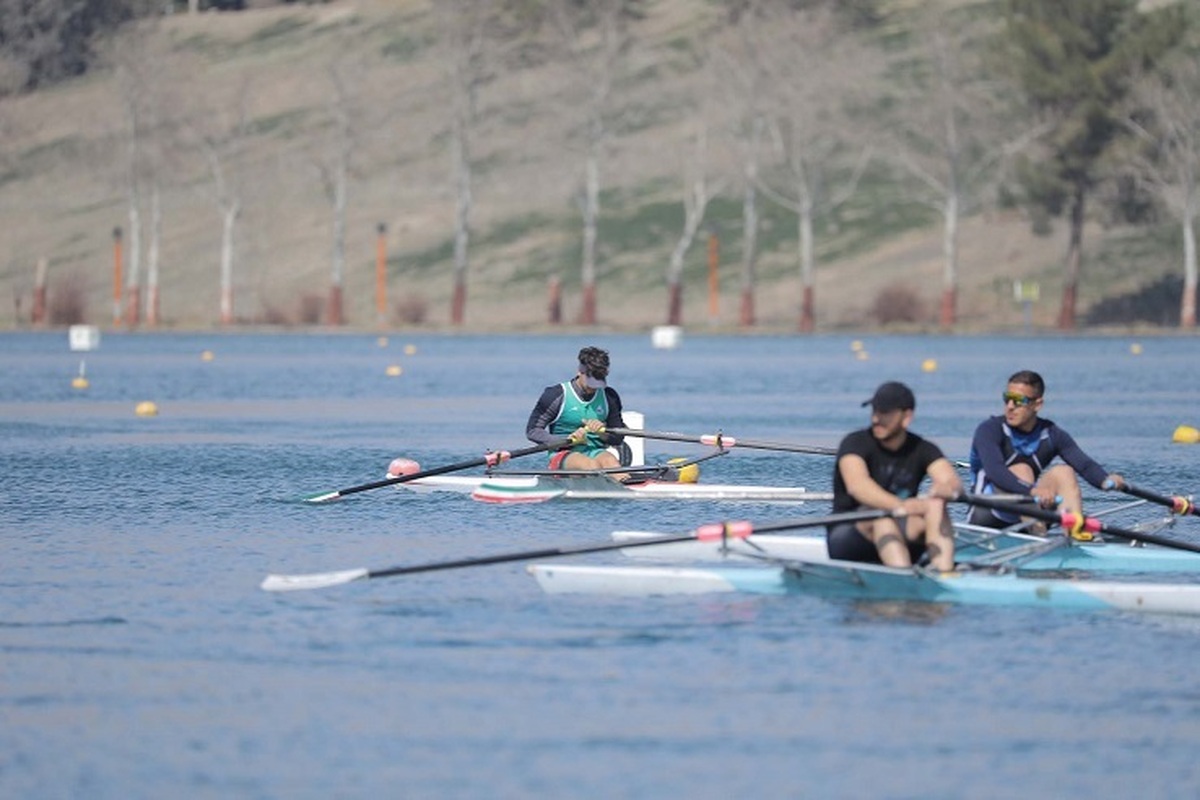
[541, 487]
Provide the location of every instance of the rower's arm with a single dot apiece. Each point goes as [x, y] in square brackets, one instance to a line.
[987, 444]
[862, 487]
[944, 479]
[537, 429]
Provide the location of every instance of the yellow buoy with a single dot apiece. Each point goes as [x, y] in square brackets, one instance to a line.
[146, 408]
[394, 371]
[688, 473]
[1135, 348]
[382, 341]
[856, 345]
[79, 382]
[1186, 434]
[410, 349]
[207, 355]
[929, 365]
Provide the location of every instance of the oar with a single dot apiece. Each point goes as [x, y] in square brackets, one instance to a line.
[489, 460]
[723, 441]
[1076, 523]
[1178, 505]
[705, 533]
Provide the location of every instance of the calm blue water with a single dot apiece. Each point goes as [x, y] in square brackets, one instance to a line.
[138, 658]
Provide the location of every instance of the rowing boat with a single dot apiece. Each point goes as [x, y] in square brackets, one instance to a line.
[1030, 553]
[541, 487]
[847, 580]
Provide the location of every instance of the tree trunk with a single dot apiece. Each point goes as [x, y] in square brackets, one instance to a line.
[38, 317]
[949, 310]
[1187, 305]
[333, 309]
[458, 305]
[152, 257]
[746, 317]
[675, 303]
[133, 305]
[555, 304]
[587, 314]
[229, 217]
[334, 312]
[808, 321]
[132, 291]
[591, 211]
[1066, 314]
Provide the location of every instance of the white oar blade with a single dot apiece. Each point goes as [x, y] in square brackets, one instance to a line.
[323, 498]
[318, 580]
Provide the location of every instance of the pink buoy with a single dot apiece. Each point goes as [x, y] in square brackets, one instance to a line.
[403, 466]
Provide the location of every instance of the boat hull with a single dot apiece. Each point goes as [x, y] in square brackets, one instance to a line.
[1089, 558]
[844, 580]
[542, 488]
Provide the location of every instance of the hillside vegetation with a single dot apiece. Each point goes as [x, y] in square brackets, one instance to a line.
[267, 74]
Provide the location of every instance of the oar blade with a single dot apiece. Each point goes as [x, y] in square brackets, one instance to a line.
[316, 580]
[328, 497]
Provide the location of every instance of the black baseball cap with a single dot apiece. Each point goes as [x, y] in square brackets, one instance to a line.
[892, 396]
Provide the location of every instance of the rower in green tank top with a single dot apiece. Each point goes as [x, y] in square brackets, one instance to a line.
[583, 408]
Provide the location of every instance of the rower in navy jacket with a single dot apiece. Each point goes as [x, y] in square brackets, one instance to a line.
[1012, 454]
[581, 408]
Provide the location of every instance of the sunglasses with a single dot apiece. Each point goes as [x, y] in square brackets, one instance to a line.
[1018, 399]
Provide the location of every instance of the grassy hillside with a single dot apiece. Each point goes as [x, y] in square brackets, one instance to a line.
[63, 179]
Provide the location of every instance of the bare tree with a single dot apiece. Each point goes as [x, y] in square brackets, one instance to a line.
[596, 39]
[463, 25]
[221, 131]
[142, 76]
[335, 160]
[1169, 160]
[744, 76]
[698, 190]
[810, 125]
[948, 127]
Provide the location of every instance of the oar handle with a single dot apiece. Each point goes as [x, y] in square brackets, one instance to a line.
[1178, 505]
[1076, 523]
[724, 441]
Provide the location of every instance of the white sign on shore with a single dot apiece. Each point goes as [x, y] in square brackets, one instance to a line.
[83, 337]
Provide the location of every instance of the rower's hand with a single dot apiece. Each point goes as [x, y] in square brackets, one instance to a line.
[594, 426]
[1045, 497]
[910, 506]
[1113, 481]
[578, 436]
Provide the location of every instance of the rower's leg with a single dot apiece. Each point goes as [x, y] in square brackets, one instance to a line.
[607, 460]
[1062, 481]
[890, 541]
[939, 535]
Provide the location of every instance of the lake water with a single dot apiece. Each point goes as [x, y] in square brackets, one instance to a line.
[139, 658]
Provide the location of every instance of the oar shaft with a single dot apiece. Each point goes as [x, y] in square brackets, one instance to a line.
[1090, 524]
[490, 459]
[721, 440]
[713, 532]
[1180, 505]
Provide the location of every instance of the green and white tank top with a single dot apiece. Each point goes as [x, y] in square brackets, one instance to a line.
[575, 411]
